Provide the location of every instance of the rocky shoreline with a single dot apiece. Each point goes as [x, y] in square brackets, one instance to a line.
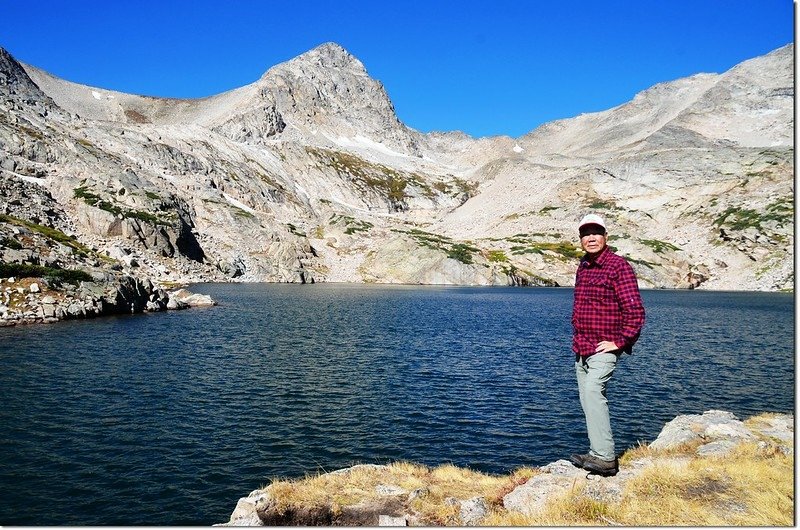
[35, 301]
[48, 273]
[712, 435]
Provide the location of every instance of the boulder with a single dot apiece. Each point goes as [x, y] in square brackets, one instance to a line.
[473, 511]
[246, 511]
[716, 448]
[173, 304]
[182, 296]
[48, 311]
[530, 497]
[76, 310]
[709, 426]
[780, 427]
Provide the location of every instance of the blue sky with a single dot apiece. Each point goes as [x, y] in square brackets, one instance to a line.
[482, 67]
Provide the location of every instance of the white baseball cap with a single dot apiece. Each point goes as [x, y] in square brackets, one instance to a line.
[592, 219]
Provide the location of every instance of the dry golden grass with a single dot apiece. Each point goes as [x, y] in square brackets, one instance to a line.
[751, 486]
[746, 488]
[437, 485]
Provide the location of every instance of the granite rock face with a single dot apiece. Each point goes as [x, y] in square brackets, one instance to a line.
[307, 175]
[48, 275]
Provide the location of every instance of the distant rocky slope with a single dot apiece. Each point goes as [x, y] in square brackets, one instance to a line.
[307, 175]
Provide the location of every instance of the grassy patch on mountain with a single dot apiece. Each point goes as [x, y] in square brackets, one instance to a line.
[352, 225]
[496, 256]
[645, 263]
[540, 243]
[378, 177]
[33, 133]
[526, 237]
[464, 186]
[9, 242]
[564, 249]
[659, 246]
[736, 218]
[458, 251]
[596, 203]
[393, 184]
[136, 116]
[94, 200]
[241, 212]
[455, 187]
[50, 233]
[461, 252]
[52, 274]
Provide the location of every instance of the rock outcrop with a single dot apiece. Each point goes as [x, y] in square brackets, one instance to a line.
[307, 175]
[712, 434]
[48, 275]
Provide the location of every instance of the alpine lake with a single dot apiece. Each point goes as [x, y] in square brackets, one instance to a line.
[169, 418]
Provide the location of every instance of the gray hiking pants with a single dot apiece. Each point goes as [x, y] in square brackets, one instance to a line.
[593, 374]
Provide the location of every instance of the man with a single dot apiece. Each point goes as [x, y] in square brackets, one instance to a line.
[607, 318]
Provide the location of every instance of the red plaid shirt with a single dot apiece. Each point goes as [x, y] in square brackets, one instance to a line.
[607, 304]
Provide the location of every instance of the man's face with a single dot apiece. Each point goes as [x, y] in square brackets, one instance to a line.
[593, 238]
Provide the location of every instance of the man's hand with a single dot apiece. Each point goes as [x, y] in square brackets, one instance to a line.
[605, 346]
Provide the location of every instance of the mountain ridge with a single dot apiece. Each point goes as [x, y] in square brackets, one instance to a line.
[308, 175]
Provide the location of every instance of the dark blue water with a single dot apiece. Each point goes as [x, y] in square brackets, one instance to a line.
[167, 419]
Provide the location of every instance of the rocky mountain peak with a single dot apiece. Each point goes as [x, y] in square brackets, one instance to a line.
[14, 79]
[331, 55]
[328, 59]
[327, 91]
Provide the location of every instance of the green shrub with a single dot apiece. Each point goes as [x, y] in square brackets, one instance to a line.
[58, 275]
[564, 248]
[8, 242]
[458, 251]
[461, 252]
[780, 211]
[658, 246]
[496, 256]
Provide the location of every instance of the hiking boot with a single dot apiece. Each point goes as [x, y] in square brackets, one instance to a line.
[604, 468]
[578, 460]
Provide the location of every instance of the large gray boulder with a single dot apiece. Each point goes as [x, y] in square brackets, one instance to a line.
[182, 297]
[712, 425]
[557, 478]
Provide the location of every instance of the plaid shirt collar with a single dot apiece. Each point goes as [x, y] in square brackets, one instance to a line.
[588, 261]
